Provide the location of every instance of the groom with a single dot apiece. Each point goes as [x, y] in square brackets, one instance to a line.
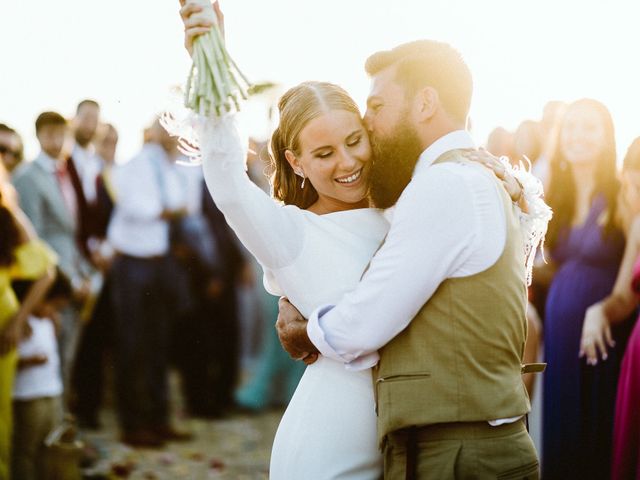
[440, 311]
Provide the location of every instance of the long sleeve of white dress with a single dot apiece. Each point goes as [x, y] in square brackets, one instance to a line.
[273, 233]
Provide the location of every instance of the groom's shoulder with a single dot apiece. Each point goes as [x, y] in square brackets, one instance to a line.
[441, 179]
[453, 177]
[455, 165]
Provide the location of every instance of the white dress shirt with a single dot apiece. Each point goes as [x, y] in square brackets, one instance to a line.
[136, 228]
[194, 179]
[449, 222]
[89, 165]
[44, 380]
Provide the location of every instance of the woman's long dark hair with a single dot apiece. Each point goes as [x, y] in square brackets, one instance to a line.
[562, 185]
[10, 234]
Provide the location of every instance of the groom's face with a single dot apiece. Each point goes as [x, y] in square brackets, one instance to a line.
[387, 105]
[395, 143]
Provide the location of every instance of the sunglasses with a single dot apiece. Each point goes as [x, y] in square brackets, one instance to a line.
[4, 150]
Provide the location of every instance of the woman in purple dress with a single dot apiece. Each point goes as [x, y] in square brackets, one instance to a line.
[586, 248]
[607, 314]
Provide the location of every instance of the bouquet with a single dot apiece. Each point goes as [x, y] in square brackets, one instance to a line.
[215, 84]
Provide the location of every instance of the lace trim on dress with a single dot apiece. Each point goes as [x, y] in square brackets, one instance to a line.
[534, 223]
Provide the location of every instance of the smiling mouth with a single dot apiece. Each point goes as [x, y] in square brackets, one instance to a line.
[350, 179]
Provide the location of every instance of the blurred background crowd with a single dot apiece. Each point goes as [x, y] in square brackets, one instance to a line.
[113, 274]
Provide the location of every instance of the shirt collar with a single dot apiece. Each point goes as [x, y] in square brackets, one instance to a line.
[156, 153]
[86, 152]
[50, 164]
[455, 140]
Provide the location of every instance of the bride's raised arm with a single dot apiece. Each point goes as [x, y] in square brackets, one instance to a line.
[273, 233]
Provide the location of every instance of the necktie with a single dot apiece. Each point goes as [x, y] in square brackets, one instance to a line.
[67, 190]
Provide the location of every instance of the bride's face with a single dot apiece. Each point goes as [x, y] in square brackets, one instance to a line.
[334, 154]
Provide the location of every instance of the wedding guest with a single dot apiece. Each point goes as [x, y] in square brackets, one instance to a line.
[85, 166]
[552, 114]
[527, 144]
[275, 376]
[89, 374]
[106, 145]
[150, 194]
[501, 143]
[11, 148]
[630, 191]
[549, 124]
[37, 391]
[22, 256]
[586, 246]
[198, 332]
[48, 197]
[224, 308]
[601, 318]
[548, 137]
[527, 152]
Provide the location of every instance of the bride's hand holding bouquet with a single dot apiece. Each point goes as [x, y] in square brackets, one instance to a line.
[215, 84]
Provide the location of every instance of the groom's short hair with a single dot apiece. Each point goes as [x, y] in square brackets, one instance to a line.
[429, 63]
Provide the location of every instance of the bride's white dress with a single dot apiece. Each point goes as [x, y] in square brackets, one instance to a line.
[329, 428]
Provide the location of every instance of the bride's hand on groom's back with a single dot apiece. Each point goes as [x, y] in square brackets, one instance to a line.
[499, 168]
[292, 332]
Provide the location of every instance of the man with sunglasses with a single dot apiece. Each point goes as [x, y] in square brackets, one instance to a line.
[11, 151]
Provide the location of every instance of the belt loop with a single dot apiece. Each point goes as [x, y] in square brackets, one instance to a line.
[412, 453]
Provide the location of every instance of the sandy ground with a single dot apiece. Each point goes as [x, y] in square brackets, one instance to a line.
[237, 447]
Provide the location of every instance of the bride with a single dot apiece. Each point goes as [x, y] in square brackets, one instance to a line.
[314, 245]
[313, 249]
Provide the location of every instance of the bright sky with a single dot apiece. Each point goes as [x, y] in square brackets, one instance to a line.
[128, 53]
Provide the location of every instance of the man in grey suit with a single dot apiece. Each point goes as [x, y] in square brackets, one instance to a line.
[48, 198]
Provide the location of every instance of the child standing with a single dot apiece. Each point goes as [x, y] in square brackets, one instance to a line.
[37, 393]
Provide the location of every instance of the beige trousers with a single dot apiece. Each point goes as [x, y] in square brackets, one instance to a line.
[463, 451]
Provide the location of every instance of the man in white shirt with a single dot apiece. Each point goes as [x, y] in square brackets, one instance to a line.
[87, 163]
[452, 232]
[150, 192]
[84, 166]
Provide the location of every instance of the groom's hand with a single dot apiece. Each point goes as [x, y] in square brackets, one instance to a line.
[292, 331]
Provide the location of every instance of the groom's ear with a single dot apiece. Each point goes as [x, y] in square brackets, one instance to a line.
[427, 100]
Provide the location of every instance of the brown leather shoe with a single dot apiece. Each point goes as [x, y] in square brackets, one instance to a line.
[143, 439]
[170, 434]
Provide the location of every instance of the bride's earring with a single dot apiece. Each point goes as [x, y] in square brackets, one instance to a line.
[304, 178]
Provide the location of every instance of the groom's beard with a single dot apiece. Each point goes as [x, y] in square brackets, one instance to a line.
[394, 159]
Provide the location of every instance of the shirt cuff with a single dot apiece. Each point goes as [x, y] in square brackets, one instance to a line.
[318, 338]
[316, 334]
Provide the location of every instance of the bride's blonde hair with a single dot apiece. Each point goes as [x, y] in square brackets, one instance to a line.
[297, 107]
